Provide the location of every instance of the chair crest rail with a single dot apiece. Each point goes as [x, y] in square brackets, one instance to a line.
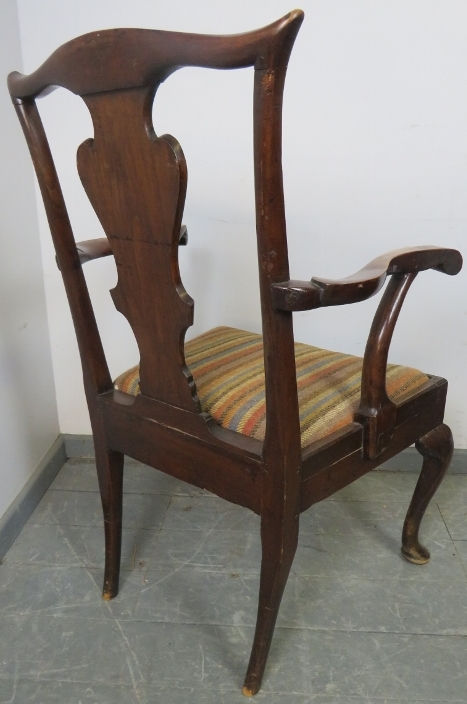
[118, 59]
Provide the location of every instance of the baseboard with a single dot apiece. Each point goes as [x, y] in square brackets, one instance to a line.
[78, 446]
[22, 507]
[408, 460]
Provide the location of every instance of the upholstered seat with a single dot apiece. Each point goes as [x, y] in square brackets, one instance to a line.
[227, 366]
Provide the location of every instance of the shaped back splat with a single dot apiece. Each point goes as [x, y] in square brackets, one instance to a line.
[136, 183]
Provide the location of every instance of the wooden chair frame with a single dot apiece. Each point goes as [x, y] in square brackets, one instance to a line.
[117, 73]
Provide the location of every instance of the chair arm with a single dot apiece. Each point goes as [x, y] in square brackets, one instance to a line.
[95, 249]
[376, 412]
[183, 239]
[305, 295]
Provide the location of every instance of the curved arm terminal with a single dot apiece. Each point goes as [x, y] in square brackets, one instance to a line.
[306, 295]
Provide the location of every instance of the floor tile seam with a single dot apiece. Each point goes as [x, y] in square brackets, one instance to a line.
[64, 568]
[444, 521]
[208, 497]
[125, 493]
[165, 513]
[329, 499]
[374, 632]
[74, 491]
[279, 627]
[286, 695]
[142, 559]
[153, 551]
[194, 568]
[101, 617]
[302, 534]
[223, 571]
[129, 461]
[334, 575]
[335, 500]
[94, 566]
[87, 525]
[310, 577]
[315, 699]
[453, 496]
[216, 624]
[464, 567]
[253, 531]
[106, 683]
[38, 566]
[352, 698]
[145, 685]
[233, 690]
[68, 525]
[186, 495]
[386, 578]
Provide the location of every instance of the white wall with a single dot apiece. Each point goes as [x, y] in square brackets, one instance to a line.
[375, 157]
[29, 422]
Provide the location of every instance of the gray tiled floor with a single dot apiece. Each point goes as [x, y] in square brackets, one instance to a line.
[358, 624]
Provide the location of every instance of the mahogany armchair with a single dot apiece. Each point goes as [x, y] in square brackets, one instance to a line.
[275, 436]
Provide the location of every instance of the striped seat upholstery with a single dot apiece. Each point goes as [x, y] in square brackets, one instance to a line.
[227, 366]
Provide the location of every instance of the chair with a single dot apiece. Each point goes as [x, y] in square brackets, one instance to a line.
[276, 445]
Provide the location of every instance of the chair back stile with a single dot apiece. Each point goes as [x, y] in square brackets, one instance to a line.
[96, 373]
[281, 451]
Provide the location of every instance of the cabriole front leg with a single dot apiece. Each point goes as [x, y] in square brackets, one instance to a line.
[436, 448]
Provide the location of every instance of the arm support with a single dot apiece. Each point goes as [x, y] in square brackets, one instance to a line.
[317, 293]
[377, 413]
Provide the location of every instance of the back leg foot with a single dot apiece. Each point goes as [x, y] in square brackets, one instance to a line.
[278, 547]
[436, 448]
[109, 466]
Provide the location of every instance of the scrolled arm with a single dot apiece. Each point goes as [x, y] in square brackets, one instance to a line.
[306, 295]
